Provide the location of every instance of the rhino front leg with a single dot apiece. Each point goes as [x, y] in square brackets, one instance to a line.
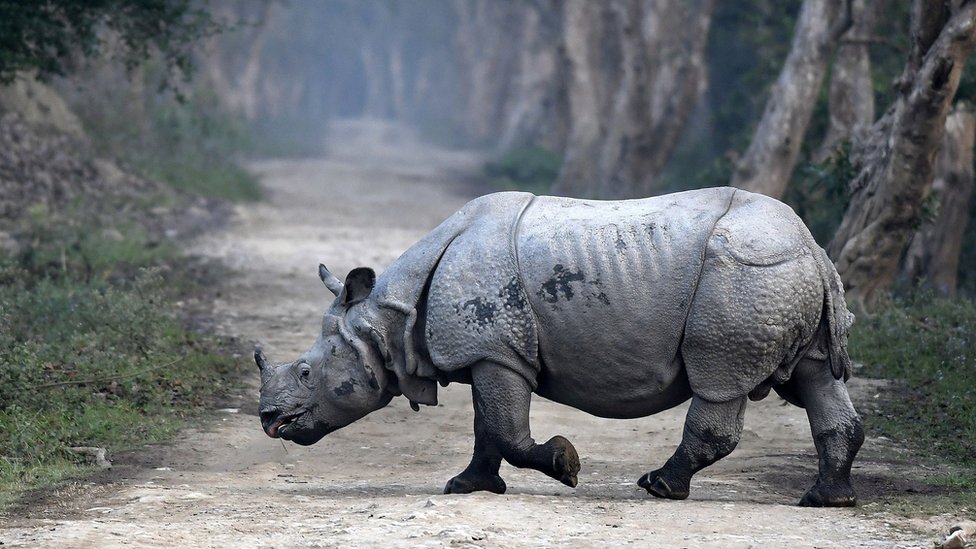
[837, 432]
[501, 429]
[711, 432]
[482, 472]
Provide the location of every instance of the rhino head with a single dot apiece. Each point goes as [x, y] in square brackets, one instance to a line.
[340, 379]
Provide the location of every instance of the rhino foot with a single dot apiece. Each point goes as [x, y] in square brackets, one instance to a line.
[565, 460]
[838, 495]
[465, 483]
[657, 486]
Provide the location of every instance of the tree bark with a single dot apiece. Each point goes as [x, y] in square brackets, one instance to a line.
[579, 171]
[236, 78]
[536, 110]
[768, 163]
[487, 47]
[896, 163]
[933, 255]
[634, 72]
[851, 95]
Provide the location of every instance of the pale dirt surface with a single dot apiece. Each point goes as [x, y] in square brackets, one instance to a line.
[377, 483]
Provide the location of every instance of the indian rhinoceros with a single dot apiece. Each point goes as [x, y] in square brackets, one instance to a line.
[621, 309]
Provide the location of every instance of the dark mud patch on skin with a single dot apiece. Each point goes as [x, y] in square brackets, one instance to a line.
[512, 295]
[347, 388]
[482, 312]
[560, 283]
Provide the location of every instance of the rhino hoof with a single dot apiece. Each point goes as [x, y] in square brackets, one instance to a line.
[820, 496]
[565, 461]
[658, 487]
[463, 484]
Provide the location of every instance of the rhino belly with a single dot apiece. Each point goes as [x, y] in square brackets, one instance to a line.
[611, 284]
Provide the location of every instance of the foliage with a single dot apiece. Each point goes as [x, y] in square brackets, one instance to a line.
[746, 50]
[45, 36]
[529, 168]
[818, 192]
[91, 350]
[928, 346]
[192, 145]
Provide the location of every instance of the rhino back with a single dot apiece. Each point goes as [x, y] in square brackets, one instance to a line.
[611, 284]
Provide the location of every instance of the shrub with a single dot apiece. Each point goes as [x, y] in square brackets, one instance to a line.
[92, 352]
[927, 345]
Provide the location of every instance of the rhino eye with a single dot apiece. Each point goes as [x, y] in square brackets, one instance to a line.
[305, 370]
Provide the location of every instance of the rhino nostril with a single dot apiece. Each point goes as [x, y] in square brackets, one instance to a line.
[267, 415]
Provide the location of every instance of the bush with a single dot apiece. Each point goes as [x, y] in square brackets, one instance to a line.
[92, 352]
[818, 192]
[927, 345]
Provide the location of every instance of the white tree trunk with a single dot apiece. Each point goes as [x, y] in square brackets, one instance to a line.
[768, 163]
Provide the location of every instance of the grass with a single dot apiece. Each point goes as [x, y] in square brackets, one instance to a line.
[92, 351]
[927, 345]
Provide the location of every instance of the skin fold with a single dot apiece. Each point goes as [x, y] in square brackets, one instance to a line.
[620, 309]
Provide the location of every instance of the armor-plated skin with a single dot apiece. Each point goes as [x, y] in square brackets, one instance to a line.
[621, 309]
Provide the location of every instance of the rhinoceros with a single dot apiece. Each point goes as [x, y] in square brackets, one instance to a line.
[621, 309]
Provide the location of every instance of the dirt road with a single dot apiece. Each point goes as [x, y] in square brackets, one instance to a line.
[377, 483]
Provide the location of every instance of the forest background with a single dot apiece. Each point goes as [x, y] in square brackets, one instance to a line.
[855, 112]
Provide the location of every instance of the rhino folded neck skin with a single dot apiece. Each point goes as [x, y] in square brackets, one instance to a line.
[340, 379]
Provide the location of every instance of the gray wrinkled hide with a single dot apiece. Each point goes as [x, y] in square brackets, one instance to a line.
[599, 305]
[622, 309]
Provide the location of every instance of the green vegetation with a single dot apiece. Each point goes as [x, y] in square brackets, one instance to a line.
[45, 37]
[529, 168]
[193, 145]
[92, 352]
[928, 346]
[818, 192]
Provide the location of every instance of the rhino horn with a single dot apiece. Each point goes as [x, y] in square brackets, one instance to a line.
[259, 358]
[330, 281]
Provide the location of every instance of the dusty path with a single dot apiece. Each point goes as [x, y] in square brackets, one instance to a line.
[378, 482]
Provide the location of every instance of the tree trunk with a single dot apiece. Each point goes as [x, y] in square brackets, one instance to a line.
[933, 255]
[634, 72]
[768, 163]
[234, 72]
[896, 163]
[579, 171]
[487, 47]
[851, 96]
[536, 110]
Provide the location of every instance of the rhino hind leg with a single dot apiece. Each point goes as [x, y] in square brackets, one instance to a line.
[501, 429]
[711, 432]
[837, 432]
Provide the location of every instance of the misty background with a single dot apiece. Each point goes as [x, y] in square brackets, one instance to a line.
[128, 129]
[617, 99]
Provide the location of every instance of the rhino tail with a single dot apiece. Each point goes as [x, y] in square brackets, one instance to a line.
[836, 316]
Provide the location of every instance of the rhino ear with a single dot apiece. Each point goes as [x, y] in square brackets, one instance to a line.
[330, 281]
[260, 359]
[359, 283]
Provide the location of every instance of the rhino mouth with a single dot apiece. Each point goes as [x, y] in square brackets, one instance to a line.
[279, 426]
